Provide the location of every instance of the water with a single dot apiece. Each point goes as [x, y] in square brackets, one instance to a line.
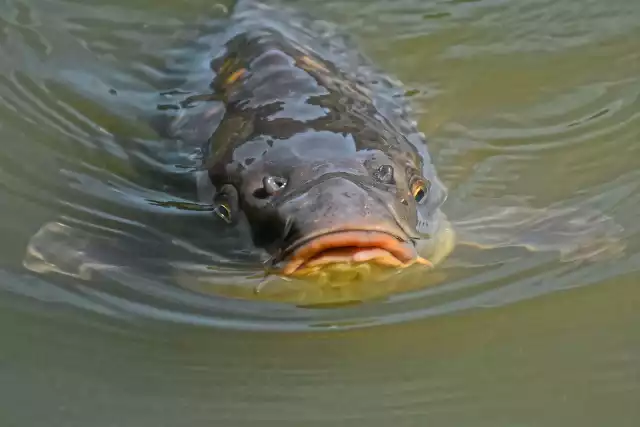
[532, 112]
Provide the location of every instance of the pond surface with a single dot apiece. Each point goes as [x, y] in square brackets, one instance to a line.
[115, 306]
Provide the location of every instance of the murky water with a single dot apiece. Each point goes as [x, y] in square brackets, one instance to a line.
[110, 310]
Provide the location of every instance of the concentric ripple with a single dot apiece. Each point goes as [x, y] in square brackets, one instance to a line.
[541, 160]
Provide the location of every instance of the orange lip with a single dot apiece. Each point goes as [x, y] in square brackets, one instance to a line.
[353, 246]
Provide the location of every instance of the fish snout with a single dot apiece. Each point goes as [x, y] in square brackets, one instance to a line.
[342, 221]
[339, 203]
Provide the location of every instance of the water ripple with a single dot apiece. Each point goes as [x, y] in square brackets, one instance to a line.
[542, 188]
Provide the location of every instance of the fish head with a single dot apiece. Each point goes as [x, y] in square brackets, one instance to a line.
[363, 211]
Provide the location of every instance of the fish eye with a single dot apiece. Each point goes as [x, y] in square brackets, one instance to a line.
[419, 190]
[224, 212]
[226, 203]
[270, 186]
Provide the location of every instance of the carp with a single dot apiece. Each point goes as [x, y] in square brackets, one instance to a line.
[319, 159]
[303, 146]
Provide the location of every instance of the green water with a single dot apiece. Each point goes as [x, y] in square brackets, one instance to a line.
[532, 109]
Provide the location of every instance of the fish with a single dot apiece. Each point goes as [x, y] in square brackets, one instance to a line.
[320, 160]
[310, 152]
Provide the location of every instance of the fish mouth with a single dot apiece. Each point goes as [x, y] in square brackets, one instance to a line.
[349, 246]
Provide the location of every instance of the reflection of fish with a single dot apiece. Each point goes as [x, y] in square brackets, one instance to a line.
[329, 174]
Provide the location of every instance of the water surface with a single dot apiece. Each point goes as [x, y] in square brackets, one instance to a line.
[532, 113]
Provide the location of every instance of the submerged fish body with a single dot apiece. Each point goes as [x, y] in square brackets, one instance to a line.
[316, 153]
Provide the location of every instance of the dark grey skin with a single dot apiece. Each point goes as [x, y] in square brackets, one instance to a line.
[308, 145]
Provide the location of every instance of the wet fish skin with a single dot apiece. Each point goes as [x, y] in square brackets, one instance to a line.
[327, 132]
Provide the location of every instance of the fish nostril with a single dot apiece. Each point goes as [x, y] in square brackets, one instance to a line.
[270, 186]
[273, 184]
